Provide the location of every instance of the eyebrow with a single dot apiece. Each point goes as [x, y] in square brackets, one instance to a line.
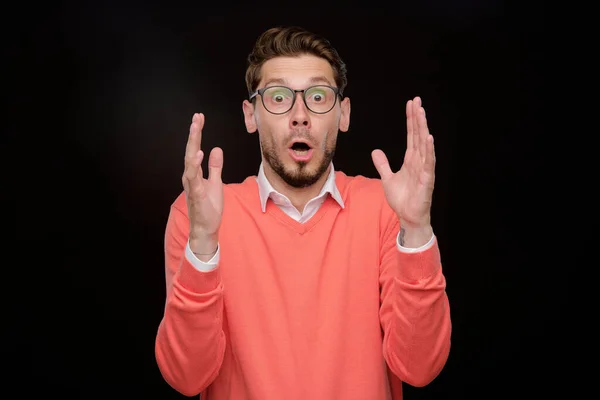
[282, 81]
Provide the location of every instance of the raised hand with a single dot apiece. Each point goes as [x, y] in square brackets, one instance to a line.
[204, 196]
[409, 191]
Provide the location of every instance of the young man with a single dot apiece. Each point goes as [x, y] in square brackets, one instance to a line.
[303, 282]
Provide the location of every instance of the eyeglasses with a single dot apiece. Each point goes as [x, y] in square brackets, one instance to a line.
[280, 99]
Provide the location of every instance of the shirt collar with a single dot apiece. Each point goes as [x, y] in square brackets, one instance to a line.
[265, 189]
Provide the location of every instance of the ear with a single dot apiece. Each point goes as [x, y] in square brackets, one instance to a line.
[249, 117]
[345, 115]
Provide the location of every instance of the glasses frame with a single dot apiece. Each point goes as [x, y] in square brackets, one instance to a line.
[337, 91]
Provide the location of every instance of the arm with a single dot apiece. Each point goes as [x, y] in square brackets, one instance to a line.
[190, 341]
[414, 313]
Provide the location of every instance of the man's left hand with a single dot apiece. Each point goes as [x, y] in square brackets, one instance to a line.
[409, 191]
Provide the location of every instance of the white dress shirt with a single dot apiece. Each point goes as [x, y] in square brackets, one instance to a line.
[267, 192]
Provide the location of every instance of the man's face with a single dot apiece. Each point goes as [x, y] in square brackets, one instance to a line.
[298, 145]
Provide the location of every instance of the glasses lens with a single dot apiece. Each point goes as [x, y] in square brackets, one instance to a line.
[278, 99]
[320, 99]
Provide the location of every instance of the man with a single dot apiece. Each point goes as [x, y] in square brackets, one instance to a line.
[303, 282]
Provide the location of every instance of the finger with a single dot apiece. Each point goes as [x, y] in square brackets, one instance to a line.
[429, 165]
[409, 125]
[193, 168]
[381, 164]
[416, 104]
[215, 164]
[195, 136]
[423, 132]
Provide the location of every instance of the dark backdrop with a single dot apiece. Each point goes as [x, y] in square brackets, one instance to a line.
[103, 96]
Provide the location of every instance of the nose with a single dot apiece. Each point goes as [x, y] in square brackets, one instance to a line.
[299, 115]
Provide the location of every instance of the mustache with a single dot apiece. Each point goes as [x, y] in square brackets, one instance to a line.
[301, 133]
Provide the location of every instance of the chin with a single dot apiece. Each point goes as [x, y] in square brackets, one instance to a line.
[300, 180]
[298, 173]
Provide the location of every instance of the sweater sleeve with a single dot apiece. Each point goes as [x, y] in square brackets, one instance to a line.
[190, 342]
[414, 311]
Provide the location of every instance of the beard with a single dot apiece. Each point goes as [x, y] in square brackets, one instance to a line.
[300, 176]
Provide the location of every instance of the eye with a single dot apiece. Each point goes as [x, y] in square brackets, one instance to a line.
[317, 95]
[278, 95]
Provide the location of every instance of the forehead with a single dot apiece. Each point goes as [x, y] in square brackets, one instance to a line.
[297, 72]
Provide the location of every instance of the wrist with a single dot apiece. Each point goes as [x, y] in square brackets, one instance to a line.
[414, 236]
[204, 246]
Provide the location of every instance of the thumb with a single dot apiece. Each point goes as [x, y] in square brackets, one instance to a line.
[381, 164]
[215, 165]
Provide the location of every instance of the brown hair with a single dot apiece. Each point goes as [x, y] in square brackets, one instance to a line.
[290, 42]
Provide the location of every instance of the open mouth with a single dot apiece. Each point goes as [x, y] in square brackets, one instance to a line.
[301, 152]
[300, 148]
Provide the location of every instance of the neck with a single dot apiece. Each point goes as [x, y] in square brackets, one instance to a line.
[298, 196]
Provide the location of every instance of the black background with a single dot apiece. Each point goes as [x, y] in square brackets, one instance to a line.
[103, 95]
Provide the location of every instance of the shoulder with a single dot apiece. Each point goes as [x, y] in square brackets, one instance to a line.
[244, 188]
[359, 187]
[244, 193]
[365, 196]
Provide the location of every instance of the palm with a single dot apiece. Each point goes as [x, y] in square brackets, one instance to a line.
[409, 191]
[208, 208]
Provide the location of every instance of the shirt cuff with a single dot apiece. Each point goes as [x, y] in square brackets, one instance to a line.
[201, 265]
[417, 249]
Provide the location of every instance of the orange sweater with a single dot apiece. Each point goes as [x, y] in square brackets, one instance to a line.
[325, 310]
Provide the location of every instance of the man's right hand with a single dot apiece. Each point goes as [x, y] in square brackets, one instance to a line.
[204, 196]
